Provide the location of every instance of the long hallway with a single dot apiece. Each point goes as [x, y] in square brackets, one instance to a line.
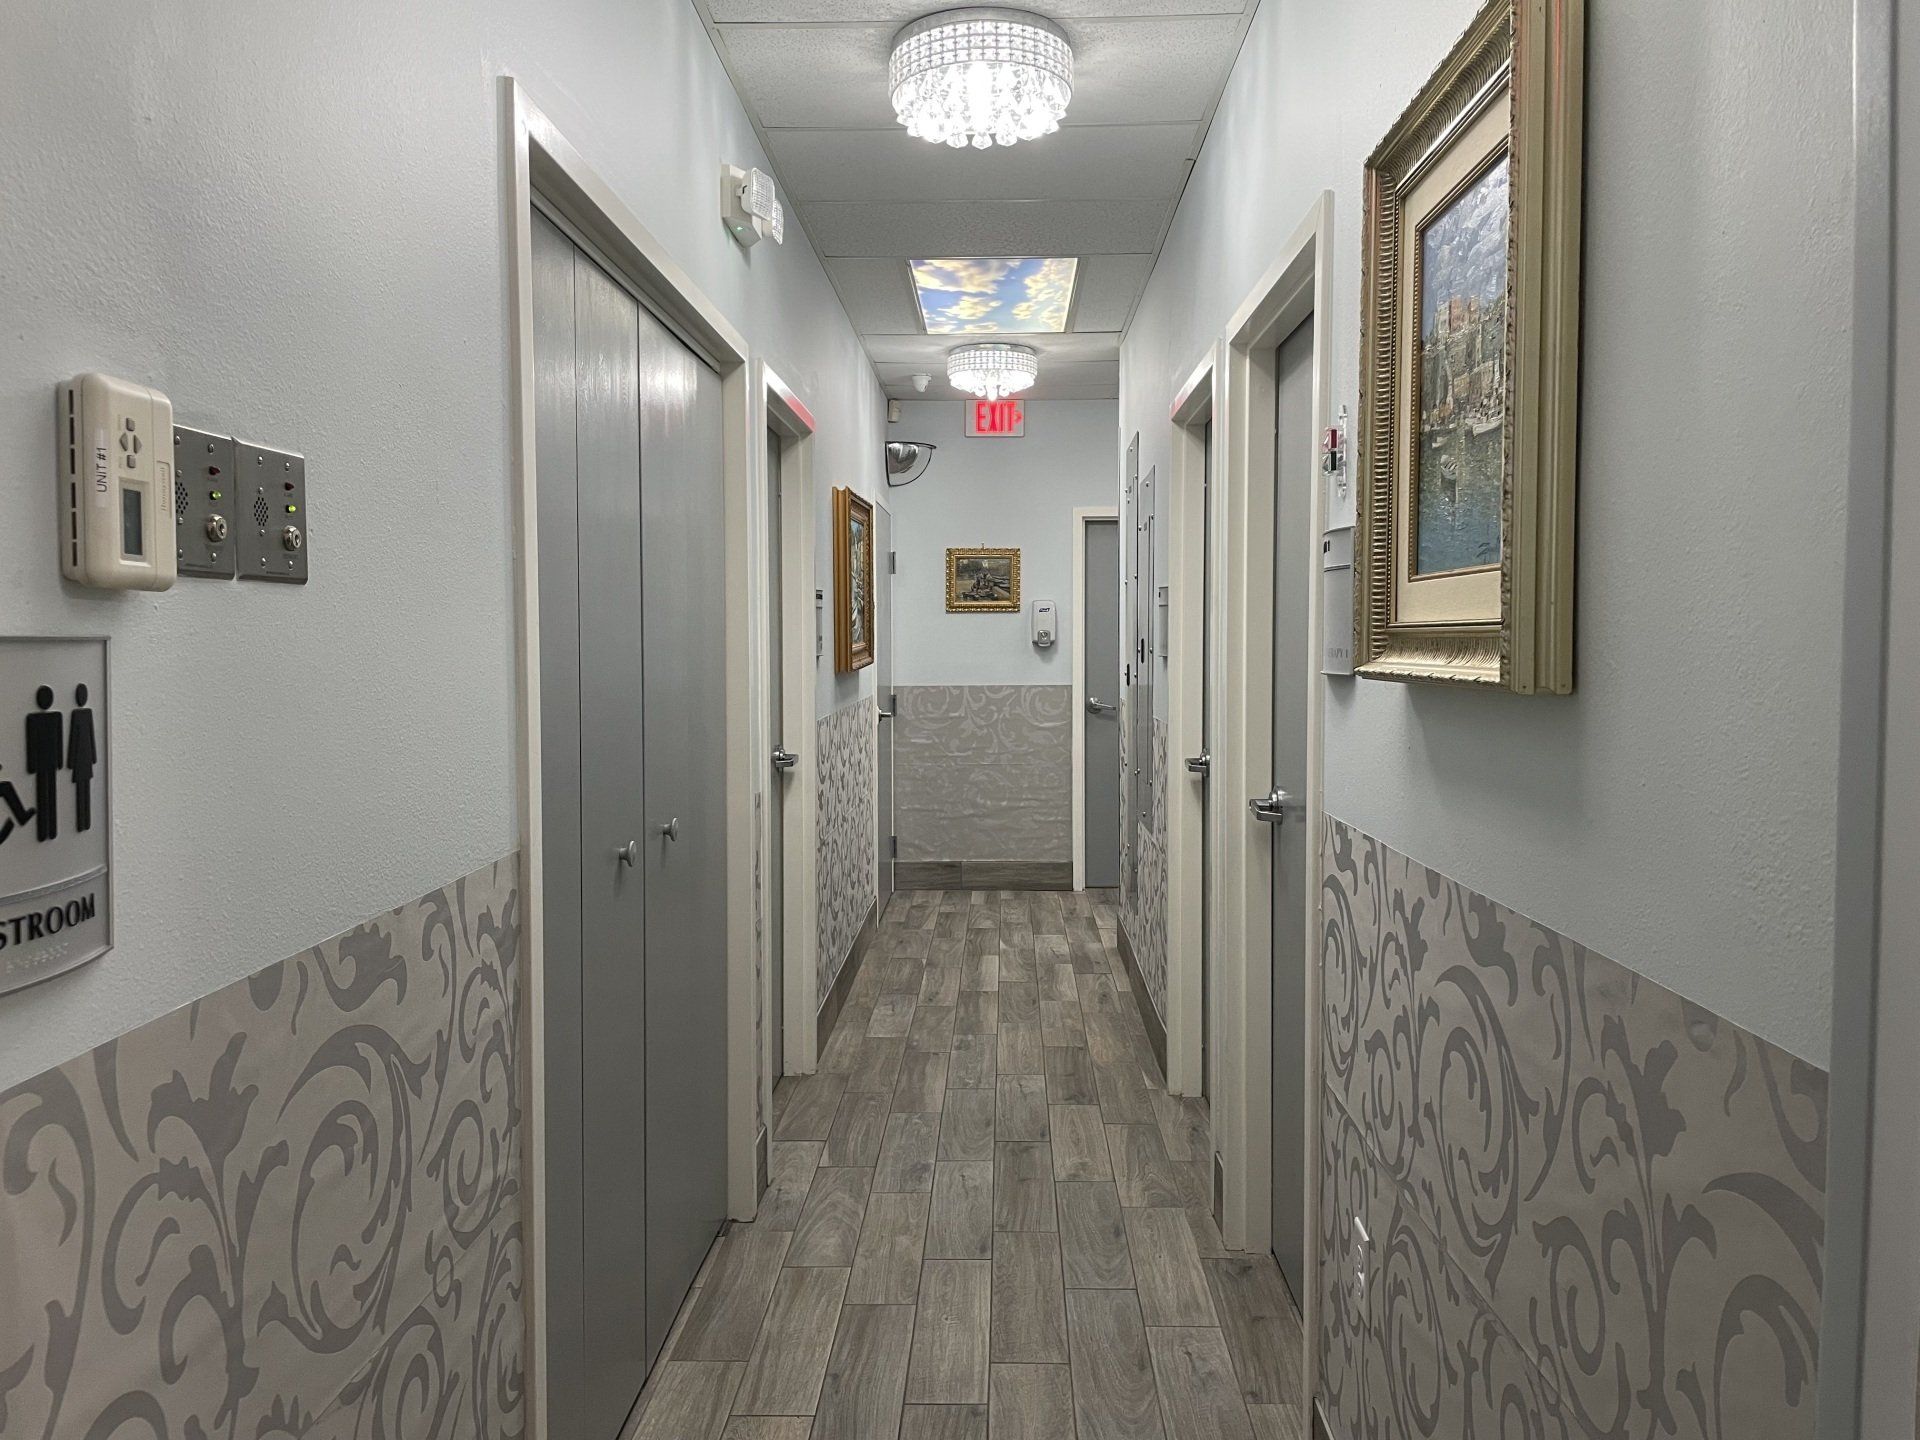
[986, 1217]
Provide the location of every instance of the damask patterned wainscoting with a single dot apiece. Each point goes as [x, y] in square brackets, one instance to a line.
[845, 875]
[1595, 1209]
[1143, 903]
[984, 772]
[291, 1209]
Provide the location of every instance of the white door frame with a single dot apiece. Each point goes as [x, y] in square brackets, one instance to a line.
[541, 161]
[787, 416]
[1293, 290]
[1195, 405]
[1081, 516]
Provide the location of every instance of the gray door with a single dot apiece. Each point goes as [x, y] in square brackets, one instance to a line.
[627, 448]
[777, 783]
[1209, 636]
[1294, 474]
[1144, 665]
[683, 534]
[883, 564]
[1100, 757]
[580, 1406]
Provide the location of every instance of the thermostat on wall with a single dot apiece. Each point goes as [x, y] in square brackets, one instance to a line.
[114, 440]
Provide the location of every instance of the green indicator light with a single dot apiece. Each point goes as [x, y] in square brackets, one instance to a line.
[293, 509]
[213, 494]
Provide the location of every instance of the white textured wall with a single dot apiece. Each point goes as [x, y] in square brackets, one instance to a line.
[995, 492]
[1677, 812]
[290, 218]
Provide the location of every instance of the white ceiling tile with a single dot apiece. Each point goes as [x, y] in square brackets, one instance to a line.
[1126, 72]
[796, 75]
[1138, 72]
[1098, 381]
[898, 12]
[1108, 285]
[1003, 227]
[924, 350]
[877, 293]
[1088, 162]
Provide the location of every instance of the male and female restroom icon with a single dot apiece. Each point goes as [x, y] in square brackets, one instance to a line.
[55, 743]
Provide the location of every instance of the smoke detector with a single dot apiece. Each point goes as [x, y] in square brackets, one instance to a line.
[750, 208]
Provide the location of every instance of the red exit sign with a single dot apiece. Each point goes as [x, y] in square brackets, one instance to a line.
[996, 419]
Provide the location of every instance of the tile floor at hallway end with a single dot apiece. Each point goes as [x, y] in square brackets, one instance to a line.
[986, 1218]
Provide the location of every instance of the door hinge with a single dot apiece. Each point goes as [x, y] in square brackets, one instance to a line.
[893, 562]
[893, 847]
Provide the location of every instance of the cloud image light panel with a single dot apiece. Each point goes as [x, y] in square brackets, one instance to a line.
[1022, 295]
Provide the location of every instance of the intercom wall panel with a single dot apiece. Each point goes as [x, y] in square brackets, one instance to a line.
[271, 519]
[203, 513]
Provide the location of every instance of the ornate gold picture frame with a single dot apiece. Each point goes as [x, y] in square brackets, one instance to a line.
[983, 581]
[852, 580]
[1470, 359]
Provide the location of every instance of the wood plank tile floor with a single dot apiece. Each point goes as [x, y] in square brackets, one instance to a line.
[986, 1218]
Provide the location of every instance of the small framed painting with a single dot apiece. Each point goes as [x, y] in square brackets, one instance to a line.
[1470, 343]
[852, 580]
[983, 581]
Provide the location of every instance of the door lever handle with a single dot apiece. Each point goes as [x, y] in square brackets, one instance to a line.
[784, 759]
[1271, 809]
[1201, 764]
[1100, 707]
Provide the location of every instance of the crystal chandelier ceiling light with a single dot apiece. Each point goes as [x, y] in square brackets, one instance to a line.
[981, 77]
[993, 371]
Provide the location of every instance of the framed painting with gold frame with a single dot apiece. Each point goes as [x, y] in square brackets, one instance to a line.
[852, 580]
[983, 581]
[1470, 340]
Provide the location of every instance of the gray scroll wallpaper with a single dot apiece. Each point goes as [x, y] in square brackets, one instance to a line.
[291, 1209]
[984, 772]
[1594, 1209]
[1143, 902]
[845, 875]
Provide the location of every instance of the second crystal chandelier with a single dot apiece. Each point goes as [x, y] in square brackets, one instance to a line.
[992, 371]
[981, 77]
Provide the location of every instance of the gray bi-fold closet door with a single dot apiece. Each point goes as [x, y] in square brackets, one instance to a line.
[627, 430]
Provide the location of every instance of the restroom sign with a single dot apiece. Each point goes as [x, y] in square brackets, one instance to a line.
[55, 895]
[996, 419]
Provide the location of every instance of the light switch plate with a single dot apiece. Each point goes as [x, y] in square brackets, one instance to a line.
[205, 533]
[271, 492]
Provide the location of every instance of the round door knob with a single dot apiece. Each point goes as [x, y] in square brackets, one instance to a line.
[629, 853]
[671, 829]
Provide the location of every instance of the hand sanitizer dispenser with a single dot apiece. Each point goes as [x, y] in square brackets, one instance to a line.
[1046, 623]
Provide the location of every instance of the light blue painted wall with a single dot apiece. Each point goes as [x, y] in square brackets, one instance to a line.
[995, 492]
[1678, 811]
[290, 218]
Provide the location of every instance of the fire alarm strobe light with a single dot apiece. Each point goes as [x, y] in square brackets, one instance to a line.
[752, 210]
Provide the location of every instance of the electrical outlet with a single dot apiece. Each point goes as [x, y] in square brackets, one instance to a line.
[1362, 1260]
